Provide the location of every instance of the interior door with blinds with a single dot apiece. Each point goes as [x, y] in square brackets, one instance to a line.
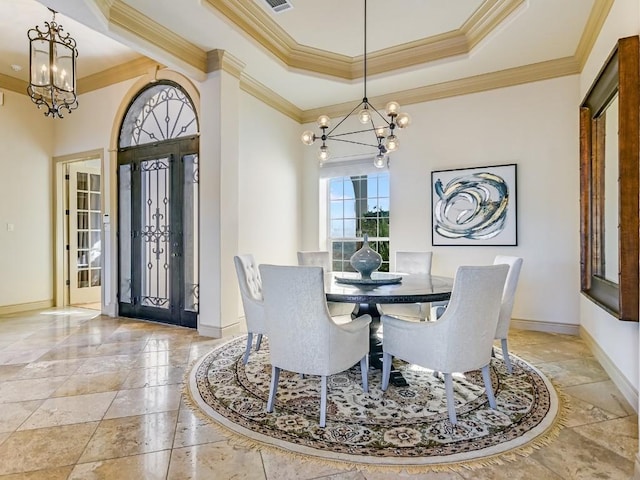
[157, 231]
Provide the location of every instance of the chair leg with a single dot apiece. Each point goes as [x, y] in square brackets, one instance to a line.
[323, 402]
[505, 355]
[247, 350]
[275, 376]
[258, 341]
[487, 385]
[387, 358]
[451, 405]
[364, 372]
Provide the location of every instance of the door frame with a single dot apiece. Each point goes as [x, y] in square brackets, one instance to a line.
[110, 251]
[174, 149]
[60, 255]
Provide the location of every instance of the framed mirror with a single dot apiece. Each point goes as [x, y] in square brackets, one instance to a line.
[609, 172]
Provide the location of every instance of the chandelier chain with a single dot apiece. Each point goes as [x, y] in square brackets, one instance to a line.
[365, 53]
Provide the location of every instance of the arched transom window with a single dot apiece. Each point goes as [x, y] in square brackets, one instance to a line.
[160, 112]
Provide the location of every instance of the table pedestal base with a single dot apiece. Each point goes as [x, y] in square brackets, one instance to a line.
[375, 342]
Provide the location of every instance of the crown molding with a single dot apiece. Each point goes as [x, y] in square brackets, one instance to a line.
[487, 18]
[117, 74]
[257, 24]
[135, 23]
[223, 60]
[457, 42]
[464, 86]
[269, 97]
[597, 17]
[104, 6]
[13, 84]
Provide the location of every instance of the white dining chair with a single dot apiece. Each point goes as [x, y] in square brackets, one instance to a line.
[303, 338]
[323, 259]
[461, 340]
[506, 308]
[411, 263]
[250, 285]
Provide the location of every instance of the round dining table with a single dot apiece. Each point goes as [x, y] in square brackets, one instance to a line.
[384, 288]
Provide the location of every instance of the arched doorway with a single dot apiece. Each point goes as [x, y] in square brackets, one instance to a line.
[158, 192]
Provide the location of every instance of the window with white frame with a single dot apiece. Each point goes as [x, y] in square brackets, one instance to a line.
[358, 205]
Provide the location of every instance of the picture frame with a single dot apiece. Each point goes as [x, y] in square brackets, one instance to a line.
[474, 206]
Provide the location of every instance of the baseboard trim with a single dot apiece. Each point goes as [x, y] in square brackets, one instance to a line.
[219, 332]
[626, 388]
[26, 307]
[547, 327]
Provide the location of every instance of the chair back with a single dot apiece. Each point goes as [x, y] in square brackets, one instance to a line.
[509, 293]
[298, 322]
[472, 316]
[250, 285]
[248, 276]
[318, 259]
[414, 262]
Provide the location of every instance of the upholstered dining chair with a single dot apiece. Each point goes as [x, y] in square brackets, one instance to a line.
[303, 338]
[410, 263]
[323, 259]
[251, 294]
[461, 340]
[508, 297]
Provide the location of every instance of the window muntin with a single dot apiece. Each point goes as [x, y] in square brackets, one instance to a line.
[358, 205]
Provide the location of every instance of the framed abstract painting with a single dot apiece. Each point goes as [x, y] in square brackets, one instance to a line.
[474, 206]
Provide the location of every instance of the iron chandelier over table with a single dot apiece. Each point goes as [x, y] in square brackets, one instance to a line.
[52, 68]
[385, 140]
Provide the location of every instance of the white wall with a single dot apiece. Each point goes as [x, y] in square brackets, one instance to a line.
[90, 126]
[26, 262]
[617, 341]
[270, 189]
[532, 125]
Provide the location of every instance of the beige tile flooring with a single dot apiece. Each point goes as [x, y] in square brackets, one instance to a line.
[101, 398]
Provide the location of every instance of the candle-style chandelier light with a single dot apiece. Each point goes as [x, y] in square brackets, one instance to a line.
[383, 129]
[52, 67]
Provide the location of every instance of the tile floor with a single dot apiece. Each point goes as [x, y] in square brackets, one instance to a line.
[101, 398]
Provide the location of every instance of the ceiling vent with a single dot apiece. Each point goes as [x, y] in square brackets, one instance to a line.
[279, 6]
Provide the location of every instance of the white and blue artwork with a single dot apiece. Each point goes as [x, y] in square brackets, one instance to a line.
[474, 206]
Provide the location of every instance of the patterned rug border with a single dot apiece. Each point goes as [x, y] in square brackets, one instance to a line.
[543, 434]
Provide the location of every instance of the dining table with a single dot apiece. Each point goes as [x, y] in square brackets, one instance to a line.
[367, 294]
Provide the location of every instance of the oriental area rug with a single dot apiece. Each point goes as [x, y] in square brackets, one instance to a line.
[404, 427]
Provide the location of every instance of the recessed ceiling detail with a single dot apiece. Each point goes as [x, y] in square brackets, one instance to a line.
[429, 49]
[262, 28]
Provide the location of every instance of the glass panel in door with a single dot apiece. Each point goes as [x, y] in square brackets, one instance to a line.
[190, 232]
[155, 233]
[85, 228]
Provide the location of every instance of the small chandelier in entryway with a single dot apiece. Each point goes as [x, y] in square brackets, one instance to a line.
[52, 67]
[384, 139]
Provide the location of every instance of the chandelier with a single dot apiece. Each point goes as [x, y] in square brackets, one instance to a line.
[52, 66]
[383, 130]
